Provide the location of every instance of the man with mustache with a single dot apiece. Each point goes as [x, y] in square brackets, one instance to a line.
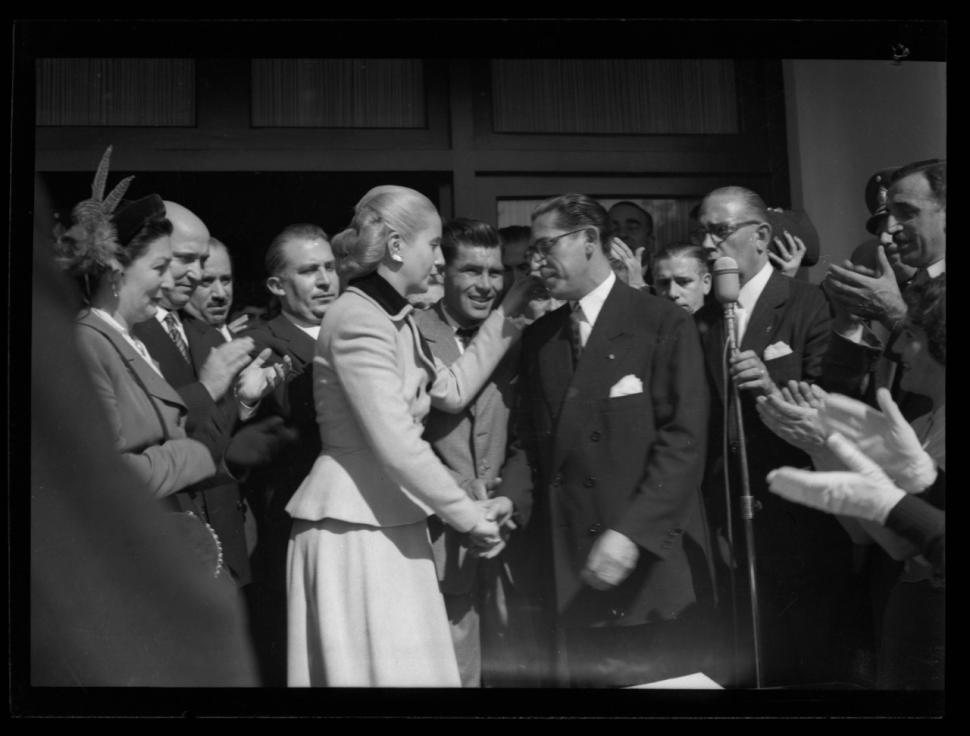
[911, 222]
[212, 298]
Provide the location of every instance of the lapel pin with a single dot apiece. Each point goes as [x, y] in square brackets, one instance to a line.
[610, 356]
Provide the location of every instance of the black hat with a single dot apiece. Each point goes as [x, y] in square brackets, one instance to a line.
[131, 216]
[876, 189]
[799, 225]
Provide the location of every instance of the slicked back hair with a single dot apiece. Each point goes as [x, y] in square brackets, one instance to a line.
[574, 211]
[275, 259]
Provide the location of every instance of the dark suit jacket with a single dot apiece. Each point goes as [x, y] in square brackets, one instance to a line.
[630, 463]
[269, 488]
[797, 314]
[472, 444]
[220, 497]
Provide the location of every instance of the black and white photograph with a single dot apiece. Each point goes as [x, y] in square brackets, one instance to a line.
[486, 369]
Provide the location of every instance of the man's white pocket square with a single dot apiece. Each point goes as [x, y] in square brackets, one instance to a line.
[777, 350]
[626, 386]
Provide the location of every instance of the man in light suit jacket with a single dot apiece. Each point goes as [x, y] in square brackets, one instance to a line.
[802, 555]
[195, 359]
[472, 444]
[614, 420]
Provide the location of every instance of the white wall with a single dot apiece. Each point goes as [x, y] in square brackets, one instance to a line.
[847, 120]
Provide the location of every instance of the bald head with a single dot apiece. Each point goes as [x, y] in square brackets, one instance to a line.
[190, 248]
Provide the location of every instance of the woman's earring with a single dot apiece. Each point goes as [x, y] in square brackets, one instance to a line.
[396, 257]
[114, 288]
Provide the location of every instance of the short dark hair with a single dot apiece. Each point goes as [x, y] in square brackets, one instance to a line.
[682, 250]
[934, 169]
[646, 215]
[275, 260]
[927, 310]
[576, 211]
[465, 231]
[514, 233]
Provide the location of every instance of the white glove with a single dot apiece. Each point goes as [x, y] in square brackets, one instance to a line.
[885, 436]
[865, 492]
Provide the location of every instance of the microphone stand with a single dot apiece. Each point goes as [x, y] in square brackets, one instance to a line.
[747, 500]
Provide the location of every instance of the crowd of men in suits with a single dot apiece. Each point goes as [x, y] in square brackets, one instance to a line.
[611, 430]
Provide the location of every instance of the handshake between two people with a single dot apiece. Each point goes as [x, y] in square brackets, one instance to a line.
[866, 460]
[489, 536]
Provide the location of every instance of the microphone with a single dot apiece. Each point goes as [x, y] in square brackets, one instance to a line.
[727, 286]
[726, 282]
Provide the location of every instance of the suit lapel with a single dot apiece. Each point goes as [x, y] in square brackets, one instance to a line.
[300, 345]
[555, 361]
[147, 376]
[439, 334]
[606, 348]
[757, 335]
[710, 324]
[160, 346]
[201, 337]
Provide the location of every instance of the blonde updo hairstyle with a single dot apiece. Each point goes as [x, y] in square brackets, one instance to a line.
[385, 209]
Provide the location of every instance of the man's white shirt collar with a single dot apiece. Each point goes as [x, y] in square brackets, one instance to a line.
[593, 302]
[313, 332]
[748, 297]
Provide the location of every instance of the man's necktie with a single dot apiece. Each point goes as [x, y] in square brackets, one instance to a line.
[576, 337]
[171, 324]
[466, 334]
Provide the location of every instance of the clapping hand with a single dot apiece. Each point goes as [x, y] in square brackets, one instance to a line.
[792, 414]
[864, 491]
[867, 293]
[256, 380]
[884, 436]
[222, 364]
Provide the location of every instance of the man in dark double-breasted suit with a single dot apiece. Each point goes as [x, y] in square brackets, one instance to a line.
[614, 411]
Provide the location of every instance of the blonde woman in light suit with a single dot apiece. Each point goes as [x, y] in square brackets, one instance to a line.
[364, 608]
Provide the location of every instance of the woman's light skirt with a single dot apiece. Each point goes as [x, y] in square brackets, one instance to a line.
[364, 608]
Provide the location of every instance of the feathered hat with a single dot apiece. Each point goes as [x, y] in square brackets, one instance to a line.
[90, 245]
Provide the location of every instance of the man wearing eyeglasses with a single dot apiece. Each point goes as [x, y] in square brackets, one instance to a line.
[782, 329]
[614, 411]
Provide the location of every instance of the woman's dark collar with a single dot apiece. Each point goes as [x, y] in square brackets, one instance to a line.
[377, 288]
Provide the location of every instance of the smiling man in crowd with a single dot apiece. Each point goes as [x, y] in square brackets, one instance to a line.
[472, 444]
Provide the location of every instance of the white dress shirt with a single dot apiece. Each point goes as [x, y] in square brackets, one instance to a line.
[748, 297]
[591, 305]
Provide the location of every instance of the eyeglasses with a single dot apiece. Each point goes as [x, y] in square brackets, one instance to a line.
[721, 231]
[543, 246]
